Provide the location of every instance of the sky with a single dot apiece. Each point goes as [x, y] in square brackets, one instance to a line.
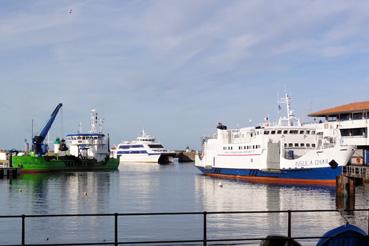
[175, 68]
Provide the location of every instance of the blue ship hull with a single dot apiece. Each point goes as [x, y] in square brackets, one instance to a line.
[325, 175]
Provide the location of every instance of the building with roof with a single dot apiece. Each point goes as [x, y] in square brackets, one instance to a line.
[351, 120]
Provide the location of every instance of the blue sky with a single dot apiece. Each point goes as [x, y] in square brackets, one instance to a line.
[175, 68]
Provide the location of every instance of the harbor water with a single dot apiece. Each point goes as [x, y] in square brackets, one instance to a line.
[147, 188]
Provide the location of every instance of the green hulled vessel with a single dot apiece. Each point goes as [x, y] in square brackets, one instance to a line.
[39, 164]
[79, 152]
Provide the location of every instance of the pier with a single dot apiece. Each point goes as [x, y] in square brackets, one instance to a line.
[9, 172]
[357, 172]
[352, 176]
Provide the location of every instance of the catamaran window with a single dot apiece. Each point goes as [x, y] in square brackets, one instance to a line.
[301, 132]
[137, 146]
[313, 145]
[308, 145]
[266, 132]
[159, 146]
[272, 132]
[296, 145]
[124, 147]
[285, 132]
[290, 145]
[279, 132]
[293, 131]
[302, 145]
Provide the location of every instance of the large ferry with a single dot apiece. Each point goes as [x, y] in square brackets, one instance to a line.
[143, 149]
[79, 152]
[284, 152]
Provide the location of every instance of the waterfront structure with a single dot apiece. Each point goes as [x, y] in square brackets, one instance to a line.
[143, 149]
[350, 121]
[284, 152]
[89, 151]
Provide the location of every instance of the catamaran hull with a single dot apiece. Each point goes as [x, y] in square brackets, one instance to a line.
[148, 158]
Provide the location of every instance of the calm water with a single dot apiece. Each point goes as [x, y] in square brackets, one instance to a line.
[142, 187]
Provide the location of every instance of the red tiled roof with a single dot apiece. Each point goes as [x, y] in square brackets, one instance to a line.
[347, 108]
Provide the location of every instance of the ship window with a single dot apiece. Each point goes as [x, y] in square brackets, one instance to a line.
[279, 132]
[248, 147]
[244, 147]
[313, 145]
[313, 132]
[159, 146]
[290, 145]
[124, 147]
[296, 145]
[239, 147]
[253, 146]
[308, 145]
[301, 132]
[293, 131]
[285, 132]
[272, 132]
[137, 146]
[266, 132]
[79, 137]
[285, 145]
[308, 132]
[302, 145]
[258, 146]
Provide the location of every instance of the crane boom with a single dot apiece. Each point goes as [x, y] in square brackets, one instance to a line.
[39, 147]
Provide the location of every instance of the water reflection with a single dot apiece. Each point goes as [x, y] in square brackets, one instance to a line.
[145, 187]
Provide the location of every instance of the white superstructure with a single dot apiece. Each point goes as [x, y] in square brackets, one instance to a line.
[277, 150]
[143, 149]
[93, 144]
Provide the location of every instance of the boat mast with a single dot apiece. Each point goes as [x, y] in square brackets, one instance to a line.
[94, 121]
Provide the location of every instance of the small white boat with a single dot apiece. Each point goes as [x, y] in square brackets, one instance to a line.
[143, 149]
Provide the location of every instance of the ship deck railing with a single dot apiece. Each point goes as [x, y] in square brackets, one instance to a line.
[204, 240]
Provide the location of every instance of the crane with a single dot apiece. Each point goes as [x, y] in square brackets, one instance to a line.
[38, 147]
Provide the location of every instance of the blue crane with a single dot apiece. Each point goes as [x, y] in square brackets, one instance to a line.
[39, 148]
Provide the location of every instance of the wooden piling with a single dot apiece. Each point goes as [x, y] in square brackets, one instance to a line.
[345, 193]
